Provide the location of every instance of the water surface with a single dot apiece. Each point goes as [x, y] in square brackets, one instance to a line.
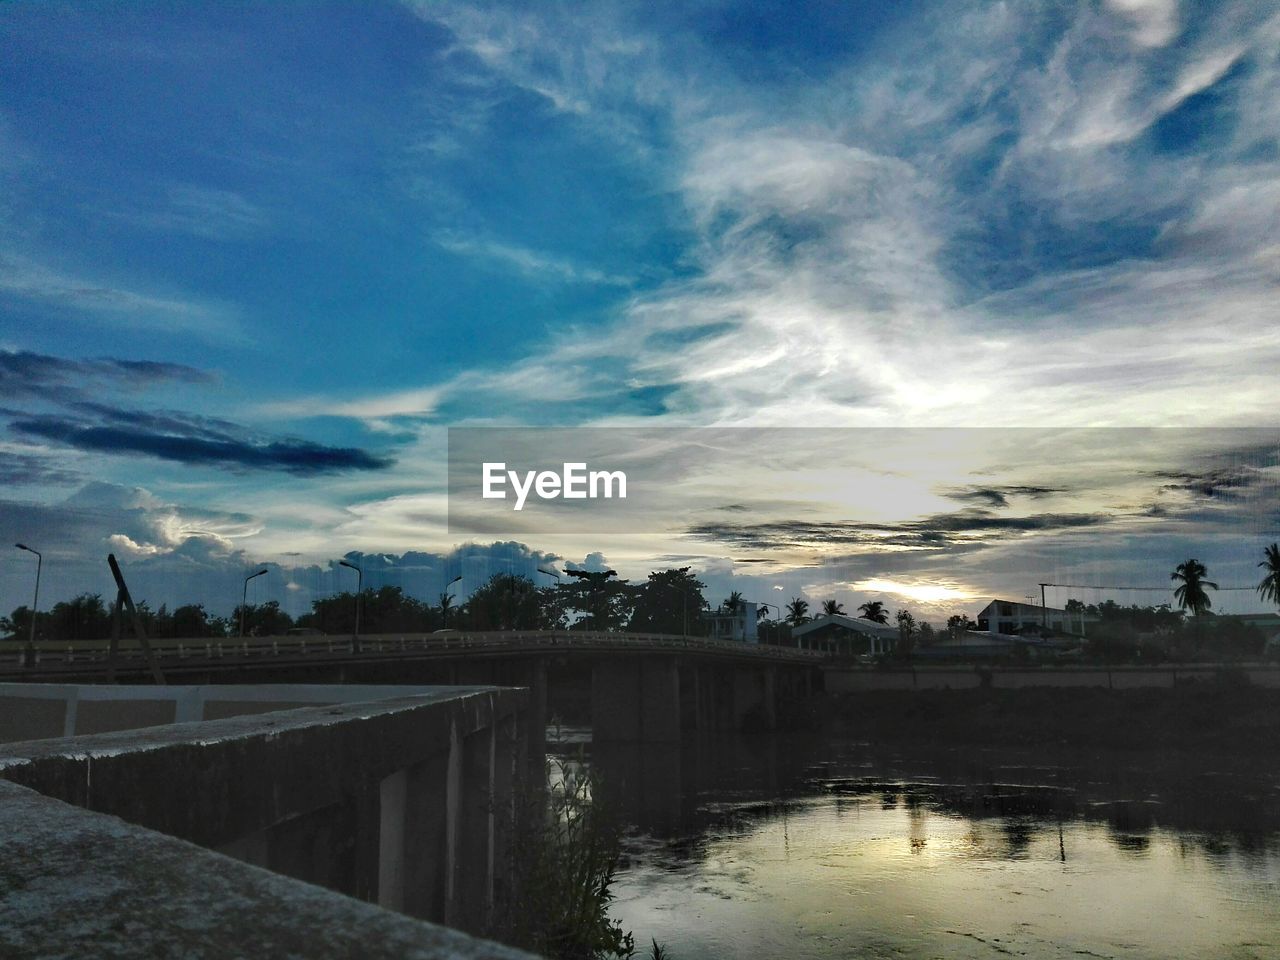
[798, 848]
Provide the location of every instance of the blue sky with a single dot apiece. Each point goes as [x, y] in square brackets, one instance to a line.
[256, 258]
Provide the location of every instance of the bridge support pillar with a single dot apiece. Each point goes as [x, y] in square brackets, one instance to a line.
[636, 699]
[754, 699]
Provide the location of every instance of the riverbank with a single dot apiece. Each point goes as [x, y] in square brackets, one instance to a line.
[1202, 717]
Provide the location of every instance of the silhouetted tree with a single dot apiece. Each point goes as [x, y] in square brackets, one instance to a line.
[601, 601]
[506, 602]
[874, 611]
[906, 632]
[1190, 592]
[832, 608]
[1269, 588]
[670, 601]
[81, 618]
[797, 611]
[260, 620]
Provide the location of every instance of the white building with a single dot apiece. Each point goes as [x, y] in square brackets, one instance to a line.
[739, 624]
[1010, 617]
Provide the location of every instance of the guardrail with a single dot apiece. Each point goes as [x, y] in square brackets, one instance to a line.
[389, 645]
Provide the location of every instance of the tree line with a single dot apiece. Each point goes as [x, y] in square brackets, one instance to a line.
[671, 601]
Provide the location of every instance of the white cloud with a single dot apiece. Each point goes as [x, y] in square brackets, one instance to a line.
[116, 303]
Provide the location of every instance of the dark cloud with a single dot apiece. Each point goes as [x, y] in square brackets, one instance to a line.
[23, 373]
[941, 530]
[997, 496]
[186, 442]
[18, 469]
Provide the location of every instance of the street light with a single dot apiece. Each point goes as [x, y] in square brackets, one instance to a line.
[444, 611]
[549, 573]
[35, 603]
[359, 592]
[244, 597]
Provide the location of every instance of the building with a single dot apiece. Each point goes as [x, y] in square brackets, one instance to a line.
[848, 635]
[739, 624]
[1011, 618]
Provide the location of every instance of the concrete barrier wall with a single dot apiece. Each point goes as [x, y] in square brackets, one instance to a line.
[346, 795]
[853, 679]
[35, 711]
[79, 883]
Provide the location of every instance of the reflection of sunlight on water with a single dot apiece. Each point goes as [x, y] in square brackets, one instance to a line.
[885, 874]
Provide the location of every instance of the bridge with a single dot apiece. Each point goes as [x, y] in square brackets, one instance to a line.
[642, 687]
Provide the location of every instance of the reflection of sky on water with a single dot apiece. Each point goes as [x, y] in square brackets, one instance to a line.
[862, 876]
[1074, 864]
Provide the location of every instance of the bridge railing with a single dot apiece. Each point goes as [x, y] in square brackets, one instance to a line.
[214, 649]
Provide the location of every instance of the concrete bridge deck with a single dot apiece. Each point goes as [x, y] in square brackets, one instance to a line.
[397, 796]
[641, 686]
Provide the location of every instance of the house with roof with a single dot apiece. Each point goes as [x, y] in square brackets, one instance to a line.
[1011, 618]
[837, 633]
[736, 624]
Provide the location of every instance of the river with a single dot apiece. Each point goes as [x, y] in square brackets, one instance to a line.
[801, 847]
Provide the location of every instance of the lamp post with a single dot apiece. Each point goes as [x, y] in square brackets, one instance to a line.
[444, 610]
[244, 597]
[35, 604]
[766, 608]
[549, 573]
[359, 596]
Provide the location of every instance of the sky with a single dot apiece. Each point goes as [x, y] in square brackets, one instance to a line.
[257, 259]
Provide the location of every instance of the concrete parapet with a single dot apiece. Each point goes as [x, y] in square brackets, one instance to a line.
[78, 883]
[389, 800]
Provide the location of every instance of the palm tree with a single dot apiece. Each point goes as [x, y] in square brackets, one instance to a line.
[446, 604]
[1269, 588]
[1190, 594]
[874, 611]
[734, 602]
[832, 608]
[797, 612]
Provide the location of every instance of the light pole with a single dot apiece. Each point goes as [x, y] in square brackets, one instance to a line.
[549, 573]
[766, 607]
[35, 603]
[244, 597]
[444, 596]
[359, 594]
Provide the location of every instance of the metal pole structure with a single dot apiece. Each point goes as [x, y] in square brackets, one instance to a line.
[444, 612]
[1044, 612]
[359, 594]
[244, 597]
[35, 605]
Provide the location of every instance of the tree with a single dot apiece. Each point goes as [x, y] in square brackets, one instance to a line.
[446, 604]
[733, 603]
[602, 601]
[506, 602]
[797, 611]
[1269, 588]
[670, 601]
[906, 632]
[1190, 592]
[192, 620]
[959, 623]
[261, 620]
[82, 618]
[874, 611]
[832, 608]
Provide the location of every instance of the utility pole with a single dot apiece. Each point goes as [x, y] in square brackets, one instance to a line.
[1044, 611]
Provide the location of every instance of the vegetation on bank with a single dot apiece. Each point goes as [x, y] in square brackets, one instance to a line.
[563, 853]
[673, 601]
[1223, 714]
